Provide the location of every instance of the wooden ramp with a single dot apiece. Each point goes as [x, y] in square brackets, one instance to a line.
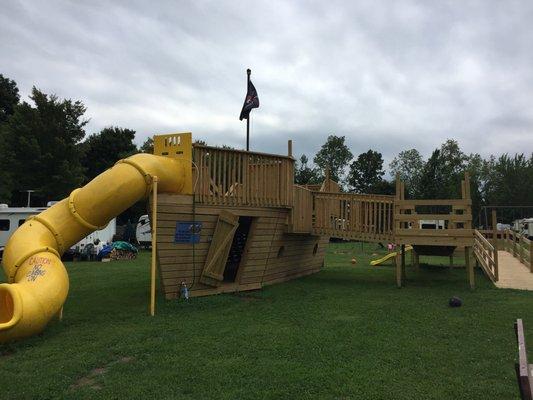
[512, 273]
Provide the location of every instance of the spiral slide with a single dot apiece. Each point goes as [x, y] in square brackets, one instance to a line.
[38, 281]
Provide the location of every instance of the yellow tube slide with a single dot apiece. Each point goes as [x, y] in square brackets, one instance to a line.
[38, 282]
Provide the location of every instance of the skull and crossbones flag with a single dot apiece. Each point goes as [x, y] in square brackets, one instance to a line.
[251, 101]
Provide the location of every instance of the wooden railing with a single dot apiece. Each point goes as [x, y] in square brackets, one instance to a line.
[240, 178]
[353, 216]
[519, 246]
[487, 255]
[301, 220]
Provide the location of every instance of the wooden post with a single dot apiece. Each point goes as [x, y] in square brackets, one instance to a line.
[289, 148]
[494, 229]
[495, 243]
[403, 261]
[154, 246]
[398, 263]
[469, 268]
[505, 240]
[520, 249]
[248, 73]
[531, 256]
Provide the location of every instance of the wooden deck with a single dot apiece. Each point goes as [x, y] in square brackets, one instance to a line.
[512, 273]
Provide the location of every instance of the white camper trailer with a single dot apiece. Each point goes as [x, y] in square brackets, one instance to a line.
[12, 217]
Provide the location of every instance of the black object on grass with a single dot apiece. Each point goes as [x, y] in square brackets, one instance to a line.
[455, 302]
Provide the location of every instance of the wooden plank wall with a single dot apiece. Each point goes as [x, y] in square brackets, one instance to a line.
[302, 211]
[262, 262]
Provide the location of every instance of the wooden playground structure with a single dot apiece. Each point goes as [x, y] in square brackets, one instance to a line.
[248, 225]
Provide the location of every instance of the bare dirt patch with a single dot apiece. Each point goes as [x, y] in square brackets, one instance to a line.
[89, 380]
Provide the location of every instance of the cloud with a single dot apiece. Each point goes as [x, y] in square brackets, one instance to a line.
[387, 75]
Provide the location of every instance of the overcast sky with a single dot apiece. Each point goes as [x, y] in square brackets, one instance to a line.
[388, 75]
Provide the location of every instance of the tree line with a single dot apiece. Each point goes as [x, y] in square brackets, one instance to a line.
[506, 180]
[44, 146]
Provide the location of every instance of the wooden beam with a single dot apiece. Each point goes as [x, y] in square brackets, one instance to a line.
[469, 268]
[154, 246]
[398, 263]
[403, 261]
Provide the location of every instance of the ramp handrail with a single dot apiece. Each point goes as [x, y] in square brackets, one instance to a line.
[520, 247]
[487, 255]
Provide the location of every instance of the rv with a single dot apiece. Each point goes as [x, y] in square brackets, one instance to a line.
[524, 227]
[13, 217]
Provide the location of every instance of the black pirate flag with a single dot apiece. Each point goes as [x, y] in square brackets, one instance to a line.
[251, 101]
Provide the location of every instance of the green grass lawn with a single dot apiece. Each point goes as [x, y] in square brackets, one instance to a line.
[344, 333]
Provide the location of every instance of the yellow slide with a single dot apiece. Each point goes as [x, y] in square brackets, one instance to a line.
[38, 282]
[381, 260]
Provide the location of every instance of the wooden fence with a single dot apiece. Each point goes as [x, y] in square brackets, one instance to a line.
[519, 246]
[353, 216]
[241, 178]
[487, 255]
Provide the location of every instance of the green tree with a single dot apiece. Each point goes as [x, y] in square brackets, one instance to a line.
[335, 155]
[442, 173]
[366, 173]
[475, 167]
[432, 177]
[305, 174]
[102, 150]
[147, 146]
[509, 180]
[408, 164]
[9, 97]
[41, 140]
[6, 183]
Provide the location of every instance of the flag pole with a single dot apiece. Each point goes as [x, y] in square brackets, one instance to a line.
[248, 73]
